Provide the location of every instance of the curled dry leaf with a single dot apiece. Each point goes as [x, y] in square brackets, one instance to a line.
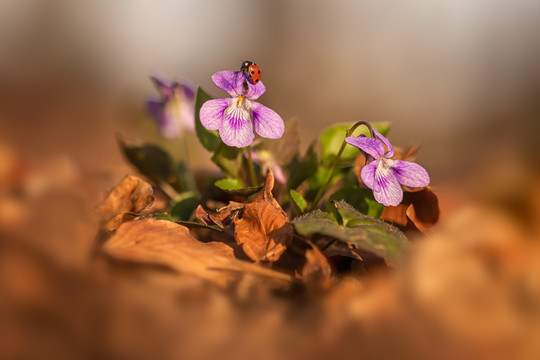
[164, 242]
[124, 202]
[316, 271]
[222, 217]
[418, 211]
[263, 230]
[425, 207]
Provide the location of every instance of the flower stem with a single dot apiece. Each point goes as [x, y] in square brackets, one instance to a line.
[252, 176]
[322, 189]
[189, 178]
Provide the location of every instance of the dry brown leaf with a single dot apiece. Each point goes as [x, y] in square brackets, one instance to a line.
[424, 211]
[316, 271]
[118, 220]
[263, 230]
[167, 243]
[202, 214]
[359, 163]
[407, 155]
[418, 211]
[223, 216]
[132, 195]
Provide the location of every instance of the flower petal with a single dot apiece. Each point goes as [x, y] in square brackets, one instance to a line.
[237, 129]
[389, 146]
[163, 87]
[211, 113]
[368, 173]
[230, 81]
[165, 124]
[371, 146]
[386, 189]
[255, 91]
[183, 111]
[189, 91]
[267, 122]
[410, 174]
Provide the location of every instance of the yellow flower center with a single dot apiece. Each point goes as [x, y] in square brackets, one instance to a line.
[240, 99]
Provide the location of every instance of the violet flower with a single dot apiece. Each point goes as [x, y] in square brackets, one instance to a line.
[175, 110]
[235, 117]
[383, 174]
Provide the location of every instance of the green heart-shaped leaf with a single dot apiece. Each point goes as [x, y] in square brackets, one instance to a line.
[236, 187]
[208, 138]
[358, 230]
[359, 198]
[183, 206]
[298, 201]
[332, 139]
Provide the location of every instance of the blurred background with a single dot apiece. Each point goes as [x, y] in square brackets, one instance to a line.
[460, 77]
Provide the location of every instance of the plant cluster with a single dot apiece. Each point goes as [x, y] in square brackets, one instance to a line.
[331, 200]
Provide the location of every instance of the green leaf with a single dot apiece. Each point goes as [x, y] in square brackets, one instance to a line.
[183, 206]
[236, 187]
[300, 170]
[208, 138]
[317, 179]
[229, 184]
[229, 159]
[151, 160]
[332, 138]
[184, 177]
[358, 230]
[298, 201]
[359, 198]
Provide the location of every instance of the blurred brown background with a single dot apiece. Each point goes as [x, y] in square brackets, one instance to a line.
[460, 77]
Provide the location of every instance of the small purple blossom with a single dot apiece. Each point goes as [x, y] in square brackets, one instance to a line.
[383, 174]
[236, 116]
[175, 109]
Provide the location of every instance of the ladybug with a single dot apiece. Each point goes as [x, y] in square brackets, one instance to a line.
[251, 71]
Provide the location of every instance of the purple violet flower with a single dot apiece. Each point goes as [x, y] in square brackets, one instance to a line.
[175, 110]
[233, 116]
[383, 174]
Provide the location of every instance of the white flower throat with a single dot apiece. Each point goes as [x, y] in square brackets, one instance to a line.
[240, 108]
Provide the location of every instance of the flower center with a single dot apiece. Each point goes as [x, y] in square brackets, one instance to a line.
[240, 108]
[240, 100]
[384, 165]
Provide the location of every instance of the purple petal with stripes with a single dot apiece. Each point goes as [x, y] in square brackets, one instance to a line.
[373, 147]
[267, 122]
[237, 129]
[212, 113]
[410, 174]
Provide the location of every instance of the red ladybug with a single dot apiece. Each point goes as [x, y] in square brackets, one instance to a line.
[251, 71]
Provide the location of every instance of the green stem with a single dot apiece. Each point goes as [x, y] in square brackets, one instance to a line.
[168, 190]
[252, 176]
[322, 189]
[189, 176]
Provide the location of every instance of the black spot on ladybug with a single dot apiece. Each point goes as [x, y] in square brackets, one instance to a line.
[259, 71]
[253, 72]
[257, 80]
